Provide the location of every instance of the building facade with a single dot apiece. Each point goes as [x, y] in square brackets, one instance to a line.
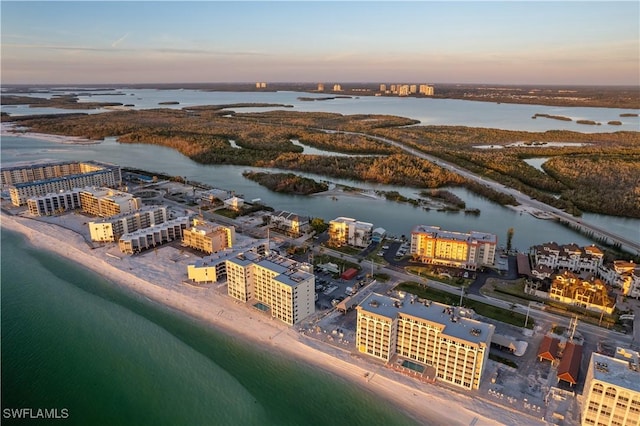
[45, 178]
[290, 223]
[107, 202]
[612, 390]
[429, 333]
[590, 293]
[213, 268]
[431, 245]
[282, 286]
[209, 237]
[50, 204]
[112, 228]
[348, 231]
[569, 256]
[153, 236]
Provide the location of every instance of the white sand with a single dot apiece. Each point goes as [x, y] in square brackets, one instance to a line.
[9, 129]
[160, 275]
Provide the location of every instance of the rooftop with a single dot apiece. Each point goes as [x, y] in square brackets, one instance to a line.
[615, 371]
[436, 232]
[451, 319]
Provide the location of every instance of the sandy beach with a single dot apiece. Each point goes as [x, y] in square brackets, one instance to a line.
[160, 276]
[10, 129]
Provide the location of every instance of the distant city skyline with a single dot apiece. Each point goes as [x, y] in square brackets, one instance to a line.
[509, 42]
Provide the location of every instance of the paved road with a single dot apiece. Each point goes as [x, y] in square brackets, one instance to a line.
[631, 242]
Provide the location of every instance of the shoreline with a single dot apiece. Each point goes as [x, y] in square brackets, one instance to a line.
[209, 306]
[8, 129]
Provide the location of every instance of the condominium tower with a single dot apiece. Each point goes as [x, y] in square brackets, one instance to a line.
[429, 333]
[281, 286]
[430, 244]
[208, 237]
[112, 228]
[348, 231]
[34, 180]
[612, 390]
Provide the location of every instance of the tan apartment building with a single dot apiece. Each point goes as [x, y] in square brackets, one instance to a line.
[348, 231]
[431, 334]
[112, 228]
[289, 223]
[209, 237]
[213, 268]
[50, 204]
[39, 179]
[568, 256]
[281, 286]
[612, 390]
[153, 236]
[107, 202]
[590, 293]
[432, 245]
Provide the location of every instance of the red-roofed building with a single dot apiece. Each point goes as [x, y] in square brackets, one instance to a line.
[569, 367]
[548, 349]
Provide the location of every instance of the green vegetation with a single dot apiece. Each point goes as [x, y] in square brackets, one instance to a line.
[556, 187]
[480, 308]
[318, 225]
[287, 182]
[574, 180]
[432, 273]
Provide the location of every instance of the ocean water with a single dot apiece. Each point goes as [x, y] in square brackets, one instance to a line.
[71, 340]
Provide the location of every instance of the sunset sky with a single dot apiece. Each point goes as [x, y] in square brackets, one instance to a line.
[514, 42]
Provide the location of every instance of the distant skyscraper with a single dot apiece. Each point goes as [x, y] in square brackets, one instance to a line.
[337, 88]
[320, 87]
[383, 88]
[261, 85]
[427, 90]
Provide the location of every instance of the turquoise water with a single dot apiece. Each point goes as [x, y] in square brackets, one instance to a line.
[71, 340]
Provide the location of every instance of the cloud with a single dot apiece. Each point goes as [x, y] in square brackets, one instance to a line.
[120, 40]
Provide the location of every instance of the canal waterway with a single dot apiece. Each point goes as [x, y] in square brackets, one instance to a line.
[397, 218]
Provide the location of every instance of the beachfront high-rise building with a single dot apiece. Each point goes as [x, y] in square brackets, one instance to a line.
[39, 179]
[320, 87]
[337, 88]
[261, 85]
[383, 88]
[106, 202]
[209, 237]
[112, 228]
[446, 345]
[153, 236]
[430, 244]
[58, 202]
[612, 390]
[282, 286]
[213, 268]
[345, 230]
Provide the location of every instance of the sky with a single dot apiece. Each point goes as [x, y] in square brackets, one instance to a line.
[508, 42]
